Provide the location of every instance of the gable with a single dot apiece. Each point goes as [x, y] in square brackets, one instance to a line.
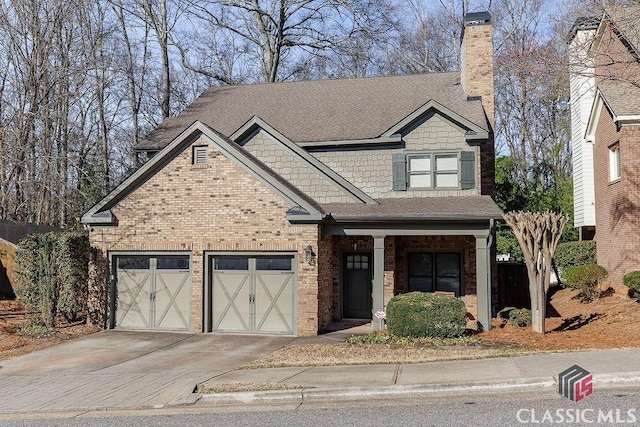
[371, 167]
[435, 132]
[178, 154]
[216, 198]
[296, 165]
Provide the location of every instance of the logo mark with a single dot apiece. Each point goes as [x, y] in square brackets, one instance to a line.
[575, 383]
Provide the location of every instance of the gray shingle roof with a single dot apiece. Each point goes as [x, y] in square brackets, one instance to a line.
[627, 21]
[321, 110]
[622, 97]
[426, 208]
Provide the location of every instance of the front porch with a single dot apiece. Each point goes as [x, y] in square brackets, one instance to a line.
[362, 266]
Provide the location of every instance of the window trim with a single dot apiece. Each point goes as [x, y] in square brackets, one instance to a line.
[615, 162]
[433, 172]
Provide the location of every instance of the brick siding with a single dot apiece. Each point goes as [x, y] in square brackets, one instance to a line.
[192, 209]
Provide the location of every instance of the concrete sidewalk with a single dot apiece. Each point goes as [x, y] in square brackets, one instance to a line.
[610, 368]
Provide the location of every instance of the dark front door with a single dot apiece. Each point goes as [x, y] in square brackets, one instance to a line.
[356, 286]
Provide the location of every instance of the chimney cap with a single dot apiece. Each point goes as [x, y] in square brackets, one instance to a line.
[477, 18]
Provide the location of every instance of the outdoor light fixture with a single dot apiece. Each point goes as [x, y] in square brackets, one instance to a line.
[309, 256]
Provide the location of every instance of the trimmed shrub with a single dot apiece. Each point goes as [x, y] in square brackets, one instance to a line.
[572, 254]
[516, 316]
[632, 281]
[586, 279]
[420, 314]
[52, 272]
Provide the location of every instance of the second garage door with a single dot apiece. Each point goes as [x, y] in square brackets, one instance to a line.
[253, 294]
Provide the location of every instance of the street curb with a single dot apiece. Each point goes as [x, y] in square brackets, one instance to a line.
[381, 392]
[310, 394]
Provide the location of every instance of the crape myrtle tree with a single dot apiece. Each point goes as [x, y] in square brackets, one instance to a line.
[538, 235]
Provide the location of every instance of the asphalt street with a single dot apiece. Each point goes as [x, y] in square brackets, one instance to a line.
[611, 407]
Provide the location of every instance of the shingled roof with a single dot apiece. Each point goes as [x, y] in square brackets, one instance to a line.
[622, 97]
[627, 22]
[321, 110]
[461, 208]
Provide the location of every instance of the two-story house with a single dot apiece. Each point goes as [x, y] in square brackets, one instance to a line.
[605, 100]
[283, 207]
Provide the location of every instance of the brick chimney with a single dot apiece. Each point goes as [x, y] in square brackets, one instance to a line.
[476, 68]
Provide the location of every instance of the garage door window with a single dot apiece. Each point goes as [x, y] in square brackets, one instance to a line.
[231, 264]
[132, 263]
[181, 263]
[281, 264]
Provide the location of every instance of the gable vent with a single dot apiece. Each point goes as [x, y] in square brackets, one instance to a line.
[200, 155]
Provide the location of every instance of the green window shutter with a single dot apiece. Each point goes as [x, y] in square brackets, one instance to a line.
[399, 172]
[467, 170]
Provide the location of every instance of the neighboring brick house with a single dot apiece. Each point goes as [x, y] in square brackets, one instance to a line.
[284, 207]
[610, 129]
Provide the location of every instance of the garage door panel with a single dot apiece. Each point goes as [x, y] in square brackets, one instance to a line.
[153, 292]
[133, 301]
[172, 296]
[259, 299]
[274, 302]
[231, 301]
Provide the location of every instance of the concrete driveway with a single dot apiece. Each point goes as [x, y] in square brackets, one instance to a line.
[123, 369]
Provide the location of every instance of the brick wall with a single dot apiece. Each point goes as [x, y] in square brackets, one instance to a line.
[465, 244]
[617, 202]
[477, 66]
[218, 207]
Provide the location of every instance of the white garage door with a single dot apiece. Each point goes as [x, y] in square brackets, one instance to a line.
[253, 294]
[153, 292]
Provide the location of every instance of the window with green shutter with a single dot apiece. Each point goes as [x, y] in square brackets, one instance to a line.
[435, 170]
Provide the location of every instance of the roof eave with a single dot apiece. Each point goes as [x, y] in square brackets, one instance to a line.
[413, 218]
[381, 140]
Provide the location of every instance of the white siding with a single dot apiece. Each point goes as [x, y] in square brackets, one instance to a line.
[582, 82]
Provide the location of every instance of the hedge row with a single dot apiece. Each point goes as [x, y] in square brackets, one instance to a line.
[52, 273]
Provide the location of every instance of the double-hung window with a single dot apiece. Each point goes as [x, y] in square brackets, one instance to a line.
[433, 170]
[435, 272]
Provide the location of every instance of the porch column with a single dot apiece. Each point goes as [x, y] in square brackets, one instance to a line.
[483, 282]
[378, 280]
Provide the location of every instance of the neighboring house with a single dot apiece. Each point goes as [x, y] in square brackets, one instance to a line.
[284, 207]
[609, 131]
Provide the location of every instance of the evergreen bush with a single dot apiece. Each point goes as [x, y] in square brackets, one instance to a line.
[420, 314]
[516, 316]
[632, 280]
[585, 278]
